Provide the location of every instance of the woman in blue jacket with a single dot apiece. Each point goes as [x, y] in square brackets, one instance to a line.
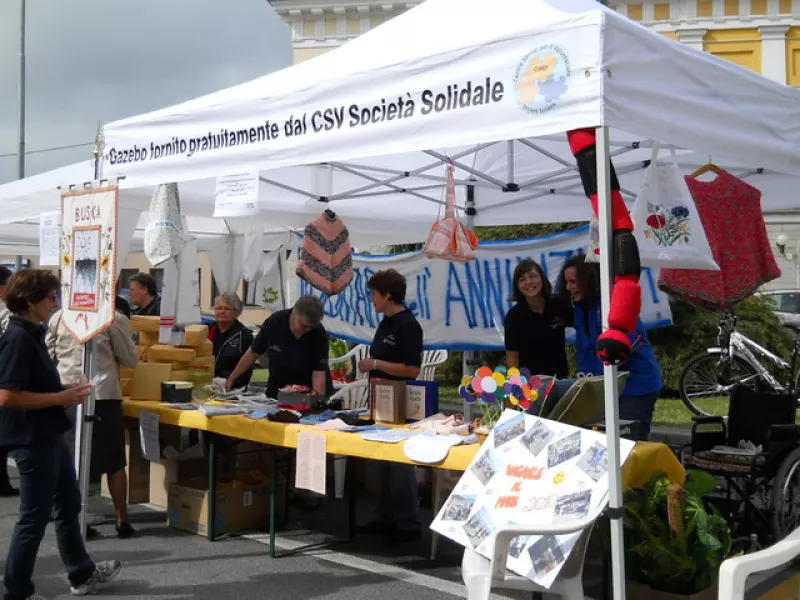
[579, 282]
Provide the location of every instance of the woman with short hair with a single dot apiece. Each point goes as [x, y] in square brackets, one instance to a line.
[231, 339]
[296, 346]
[33, 421]
[395, 353]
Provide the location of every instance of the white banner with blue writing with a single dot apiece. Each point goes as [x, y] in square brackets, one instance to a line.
[462, 306]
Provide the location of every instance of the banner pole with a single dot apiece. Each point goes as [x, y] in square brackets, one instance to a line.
[85, 414]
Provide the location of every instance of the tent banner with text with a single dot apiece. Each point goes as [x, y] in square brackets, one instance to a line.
[88, 260]
[462, 306]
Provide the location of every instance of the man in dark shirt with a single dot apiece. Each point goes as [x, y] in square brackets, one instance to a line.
[296, 346]
[144, 295]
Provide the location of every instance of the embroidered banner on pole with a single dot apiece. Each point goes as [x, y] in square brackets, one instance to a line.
[88, 260]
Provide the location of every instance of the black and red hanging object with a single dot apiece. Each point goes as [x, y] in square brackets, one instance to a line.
[614, 344]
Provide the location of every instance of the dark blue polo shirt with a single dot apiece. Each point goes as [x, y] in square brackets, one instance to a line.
[26, 366]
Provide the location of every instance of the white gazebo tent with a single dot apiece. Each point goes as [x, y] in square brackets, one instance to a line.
[541, 68]
[534, 69]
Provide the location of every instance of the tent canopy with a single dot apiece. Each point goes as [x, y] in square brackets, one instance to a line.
[476, 73]
[596, 68]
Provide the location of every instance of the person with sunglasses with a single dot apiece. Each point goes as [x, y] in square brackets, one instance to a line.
[33, 421]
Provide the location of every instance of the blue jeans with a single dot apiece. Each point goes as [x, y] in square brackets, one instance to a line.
[46, 480]
[398, 503]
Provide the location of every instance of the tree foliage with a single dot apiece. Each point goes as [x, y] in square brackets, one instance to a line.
[693, 330]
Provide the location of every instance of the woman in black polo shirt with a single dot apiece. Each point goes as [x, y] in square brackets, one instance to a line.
[231, 339]
[395, 353]
[32, 425]
[535, 325]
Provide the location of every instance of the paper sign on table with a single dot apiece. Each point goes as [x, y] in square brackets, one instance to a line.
[529, 471]
[50, 239]
[148, 431]
[236, 195]
[311, 464]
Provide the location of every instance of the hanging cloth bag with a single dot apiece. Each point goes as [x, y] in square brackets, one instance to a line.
[667, 226]
[449, 238]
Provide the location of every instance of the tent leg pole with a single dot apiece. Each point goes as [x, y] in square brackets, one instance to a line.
[610, 386]
[469, 358]
[510, 180]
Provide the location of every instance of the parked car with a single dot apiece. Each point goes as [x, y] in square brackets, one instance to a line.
[786, 305]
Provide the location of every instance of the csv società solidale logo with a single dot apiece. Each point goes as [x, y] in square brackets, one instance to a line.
[541, 78]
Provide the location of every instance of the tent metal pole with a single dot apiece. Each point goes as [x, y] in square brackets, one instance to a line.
[469, 359]
[510, 162]
[21, 145]
[609, 372]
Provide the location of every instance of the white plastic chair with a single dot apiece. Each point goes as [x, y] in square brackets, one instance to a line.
[734, 571]
[481, 574]
[430, 360]
[358, 353]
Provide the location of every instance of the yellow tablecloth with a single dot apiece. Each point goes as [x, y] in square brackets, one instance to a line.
[645, 459]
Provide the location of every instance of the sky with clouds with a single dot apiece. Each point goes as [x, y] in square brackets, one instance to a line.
[102, 60]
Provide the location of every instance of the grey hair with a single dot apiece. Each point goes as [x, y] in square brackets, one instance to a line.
[310, 308]
[232, 300]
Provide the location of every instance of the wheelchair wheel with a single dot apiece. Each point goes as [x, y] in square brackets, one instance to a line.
[786, 496]
[704, 380]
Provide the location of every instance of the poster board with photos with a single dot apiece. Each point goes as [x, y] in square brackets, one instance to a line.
[528, 471]
[89, 260]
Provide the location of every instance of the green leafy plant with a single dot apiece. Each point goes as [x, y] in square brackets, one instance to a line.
[674, 541]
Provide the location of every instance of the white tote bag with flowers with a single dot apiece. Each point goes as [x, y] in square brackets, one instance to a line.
[666, 224]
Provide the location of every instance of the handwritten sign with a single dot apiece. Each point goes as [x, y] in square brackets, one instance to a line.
[529, 471]
[50, 239]
[236, 195]
[462, 306]
[88, 259]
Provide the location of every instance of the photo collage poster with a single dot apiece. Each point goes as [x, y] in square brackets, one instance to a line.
[529, 470]
[88, 260]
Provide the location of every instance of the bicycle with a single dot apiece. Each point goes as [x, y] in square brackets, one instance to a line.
[733, 361]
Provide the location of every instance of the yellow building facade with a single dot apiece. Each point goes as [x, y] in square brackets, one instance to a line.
[761, 35]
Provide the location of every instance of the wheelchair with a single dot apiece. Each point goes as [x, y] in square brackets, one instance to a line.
[759, 491]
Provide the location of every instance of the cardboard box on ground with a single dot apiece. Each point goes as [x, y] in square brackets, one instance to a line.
[162, 362]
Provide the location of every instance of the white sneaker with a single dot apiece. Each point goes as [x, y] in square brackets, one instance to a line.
[103, 572]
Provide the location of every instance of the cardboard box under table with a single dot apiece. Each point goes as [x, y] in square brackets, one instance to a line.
[241, 504]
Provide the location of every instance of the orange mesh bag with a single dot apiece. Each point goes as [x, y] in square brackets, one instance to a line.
[449, 238]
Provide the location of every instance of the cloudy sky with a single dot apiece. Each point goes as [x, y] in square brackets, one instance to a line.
[90, 60]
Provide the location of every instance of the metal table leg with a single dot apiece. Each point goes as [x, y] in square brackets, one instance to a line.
[351, 491]
[272, 490]
[212, 487]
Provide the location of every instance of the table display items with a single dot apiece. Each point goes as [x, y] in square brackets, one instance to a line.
[530, 470]
[494, 390]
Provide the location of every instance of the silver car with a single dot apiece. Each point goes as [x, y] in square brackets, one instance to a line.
[786, 305]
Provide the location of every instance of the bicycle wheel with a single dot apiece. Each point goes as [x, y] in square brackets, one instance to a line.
[705, 382]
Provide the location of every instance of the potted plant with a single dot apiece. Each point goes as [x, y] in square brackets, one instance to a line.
[674, 540]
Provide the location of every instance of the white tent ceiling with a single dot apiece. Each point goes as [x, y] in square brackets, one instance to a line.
[387, 182]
